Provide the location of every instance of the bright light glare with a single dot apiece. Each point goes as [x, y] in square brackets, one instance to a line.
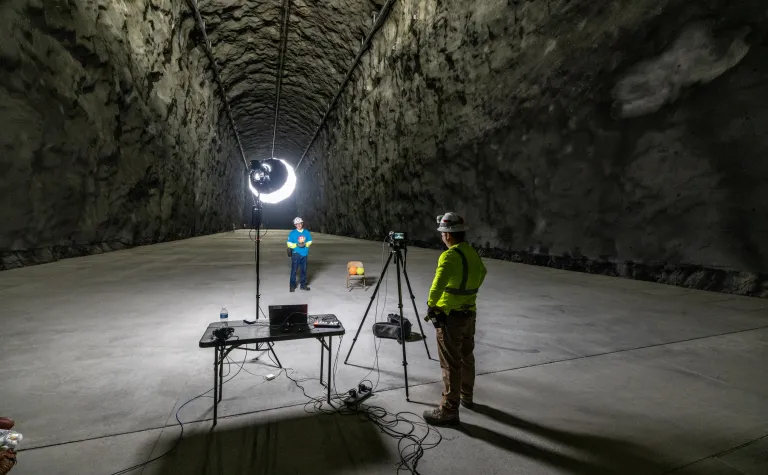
[282, 193]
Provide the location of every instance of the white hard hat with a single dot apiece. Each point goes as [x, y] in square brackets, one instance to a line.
[451, 223]
[297, 220]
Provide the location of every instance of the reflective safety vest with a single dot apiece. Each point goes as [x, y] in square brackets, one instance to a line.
[459, 275]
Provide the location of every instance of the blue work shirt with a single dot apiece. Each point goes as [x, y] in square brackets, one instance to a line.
[295, 237]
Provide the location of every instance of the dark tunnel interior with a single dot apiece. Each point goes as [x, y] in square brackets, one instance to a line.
[623, 138]
[581, 286]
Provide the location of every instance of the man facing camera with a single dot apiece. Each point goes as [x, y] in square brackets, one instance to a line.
[299, 241]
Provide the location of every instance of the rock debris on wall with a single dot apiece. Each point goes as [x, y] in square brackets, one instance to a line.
[112, 134]
[620, 137]
[617, 137]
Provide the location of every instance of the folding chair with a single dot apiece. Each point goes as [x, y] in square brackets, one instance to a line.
[356, 277]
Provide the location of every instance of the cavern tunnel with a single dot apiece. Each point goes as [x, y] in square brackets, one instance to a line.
[607, 161]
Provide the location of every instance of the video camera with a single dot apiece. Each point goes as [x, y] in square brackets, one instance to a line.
[397, 240]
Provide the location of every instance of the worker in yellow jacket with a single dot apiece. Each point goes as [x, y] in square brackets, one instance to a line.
[452, 309]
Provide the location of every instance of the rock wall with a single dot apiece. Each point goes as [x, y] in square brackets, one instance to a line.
[112, 133]
[622, 137]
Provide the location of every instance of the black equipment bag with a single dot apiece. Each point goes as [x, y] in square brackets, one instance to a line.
[391, 328]
[395, 319]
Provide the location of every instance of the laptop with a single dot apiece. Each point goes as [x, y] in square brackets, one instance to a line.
[288, 317]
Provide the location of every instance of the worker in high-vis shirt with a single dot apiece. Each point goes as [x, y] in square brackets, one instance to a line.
[298, 242]
[452, 309]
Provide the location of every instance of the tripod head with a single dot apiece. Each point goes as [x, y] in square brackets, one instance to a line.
[396, 240]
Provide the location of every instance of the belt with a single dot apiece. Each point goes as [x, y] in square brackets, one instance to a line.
[462, 313]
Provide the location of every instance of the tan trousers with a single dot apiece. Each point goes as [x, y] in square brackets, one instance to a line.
[455, 347]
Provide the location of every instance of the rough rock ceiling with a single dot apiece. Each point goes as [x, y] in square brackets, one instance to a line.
[323, 39]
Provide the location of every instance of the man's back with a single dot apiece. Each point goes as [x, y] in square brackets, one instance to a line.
[460, 273]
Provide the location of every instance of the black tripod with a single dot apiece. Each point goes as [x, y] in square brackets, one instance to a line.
[256, 222]
[395, 251]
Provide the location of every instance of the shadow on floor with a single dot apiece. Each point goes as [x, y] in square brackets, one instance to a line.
[316, 269]
[580, 453]
[317, 444]
[370, 284]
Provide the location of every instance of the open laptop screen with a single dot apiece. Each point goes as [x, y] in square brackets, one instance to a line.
[288, 315]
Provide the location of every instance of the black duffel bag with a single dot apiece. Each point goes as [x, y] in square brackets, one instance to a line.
[391, 328]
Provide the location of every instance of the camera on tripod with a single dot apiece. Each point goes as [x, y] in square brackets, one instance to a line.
[396, 240]
[397, 327]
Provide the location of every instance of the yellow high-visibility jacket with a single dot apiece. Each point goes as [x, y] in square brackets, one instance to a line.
[460, 273]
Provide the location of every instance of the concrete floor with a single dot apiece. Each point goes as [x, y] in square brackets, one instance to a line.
[577, 373]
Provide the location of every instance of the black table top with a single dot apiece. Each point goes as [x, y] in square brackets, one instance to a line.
[261, 332]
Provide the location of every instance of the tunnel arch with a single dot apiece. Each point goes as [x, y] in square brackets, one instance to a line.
[321, 41]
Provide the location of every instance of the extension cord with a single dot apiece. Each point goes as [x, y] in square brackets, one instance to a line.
[359, 397]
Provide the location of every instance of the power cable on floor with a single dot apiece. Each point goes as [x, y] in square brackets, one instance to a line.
[486, 373]
[402, 426]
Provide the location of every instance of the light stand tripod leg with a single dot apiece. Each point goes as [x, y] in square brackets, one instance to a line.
[398, 263]
[373, 296]
[256, 222]
[416, 311]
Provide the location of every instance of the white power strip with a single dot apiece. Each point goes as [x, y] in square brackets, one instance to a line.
[270, 377]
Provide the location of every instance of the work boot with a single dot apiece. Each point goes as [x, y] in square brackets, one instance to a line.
[438, 417]
[467, 403]
[293, 289]
[6, 423]
[304, 287]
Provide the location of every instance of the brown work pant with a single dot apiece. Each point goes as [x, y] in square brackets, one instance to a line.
[455, 346]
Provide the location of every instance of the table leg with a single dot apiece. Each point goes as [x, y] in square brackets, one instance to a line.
[215, 383]
[221, 374]
[330, 360]
[322, 357]
[279, 364]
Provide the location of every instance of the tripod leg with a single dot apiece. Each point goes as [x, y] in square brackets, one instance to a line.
[416, 311]
[400, 309]
[370, 303]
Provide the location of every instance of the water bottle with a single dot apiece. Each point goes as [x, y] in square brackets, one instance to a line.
[223, 316]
